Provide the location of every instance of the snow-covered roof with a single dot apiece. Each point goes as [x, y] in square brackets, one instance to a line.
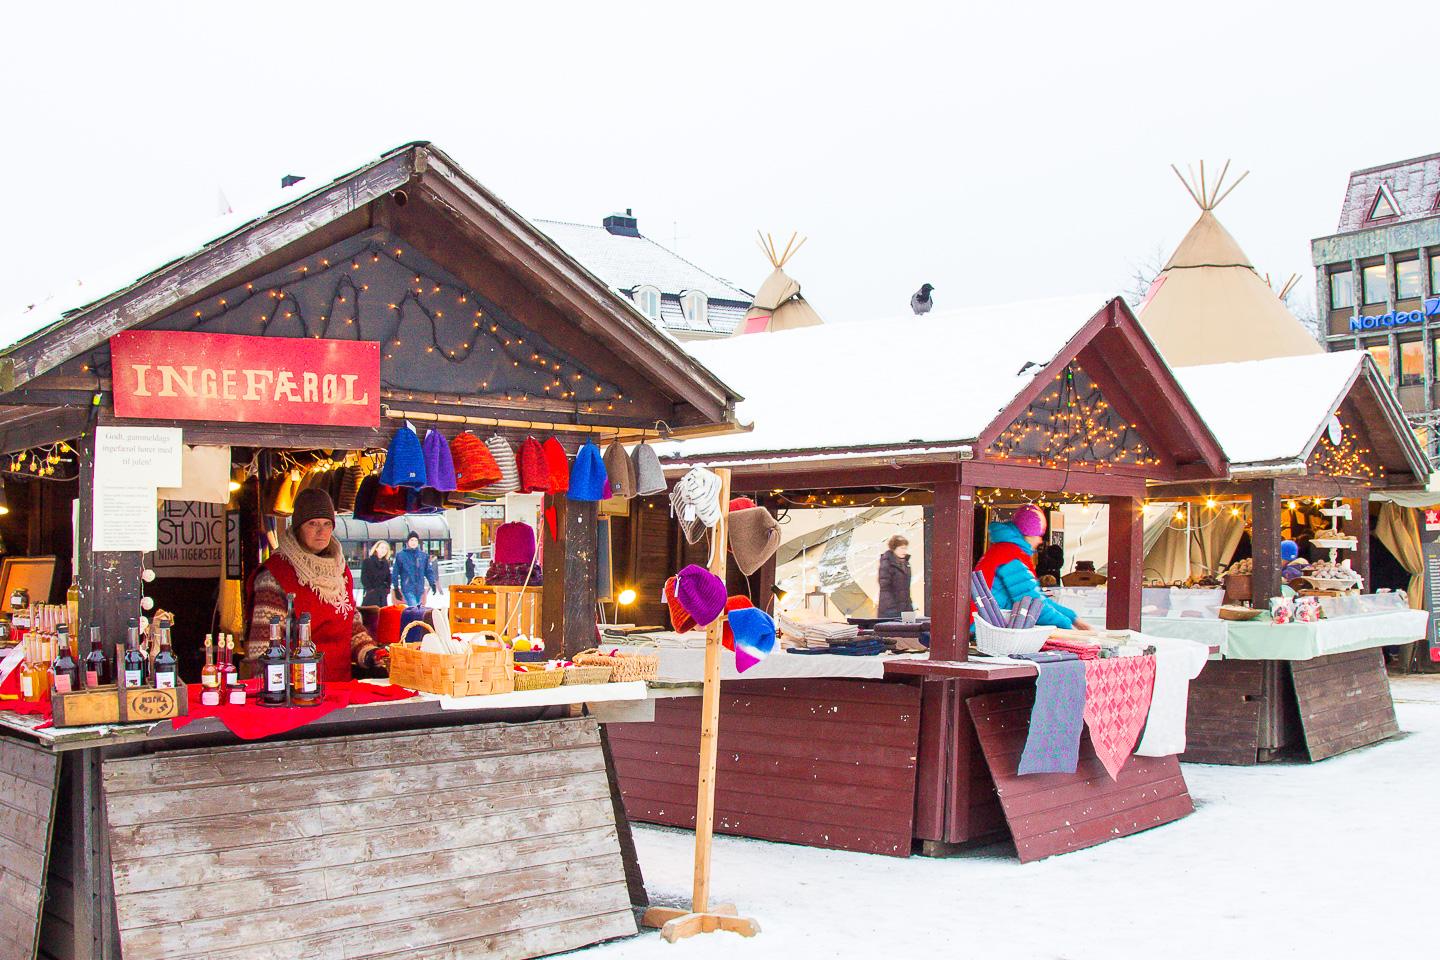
[625, 263]
[1270, 410]
[938, 378]
[1412, 185]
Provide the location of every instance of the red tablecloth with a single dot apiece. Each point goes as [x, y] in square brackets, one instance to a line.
[41, 709]
[254, 722]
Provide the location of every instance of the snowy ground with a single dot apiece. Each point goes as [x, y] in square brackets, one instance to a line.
[1334, 859]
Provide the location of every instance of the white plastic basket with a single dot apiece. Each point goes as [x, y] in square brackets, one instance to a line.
[1002, 641]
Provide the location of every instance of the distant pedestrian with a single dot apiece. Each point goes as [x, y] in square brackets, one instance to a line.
[469, 567]
[412, 573]
[894, 576]
[375, 575]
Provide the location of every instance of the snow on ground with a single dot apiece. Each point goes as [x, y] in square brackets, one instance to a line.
[1315, 861]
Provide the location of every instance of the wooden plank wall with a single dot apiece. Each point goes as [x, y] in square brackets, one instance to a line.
[824, 763]
[955, 799]
[1222, 721]
[1050, 813]
[486, 839]
[28, 780]
[1344, 701]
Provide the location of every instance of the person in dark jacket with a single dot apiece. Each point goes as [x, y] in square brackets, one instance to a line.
[412, 573]
[469, 567]
[894, 579]
[375, 576]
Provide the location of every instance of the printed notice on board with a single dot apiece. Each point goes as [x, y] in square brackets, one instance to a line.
[137, 457]
[125, 519]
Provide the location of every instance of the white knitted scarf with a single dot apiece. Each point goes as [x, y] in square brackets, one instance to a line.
[324, 573]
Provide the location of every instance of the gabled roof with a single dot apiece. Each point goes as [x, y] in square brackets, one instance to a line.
[628, 262]
[1412, 186]
[51, 332]
[1274, 411]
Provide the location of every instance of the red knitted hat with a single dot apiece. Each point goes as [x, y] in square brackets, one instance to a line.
[736, 602]
[389, 501]
[559, 465]
[534, 468]
[475, 465]
[680, 621]
[741, 503]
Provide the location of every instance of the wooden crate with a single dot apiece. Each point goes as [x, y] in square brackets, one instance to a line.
[84, 708]
[483, 671]
[509, 612]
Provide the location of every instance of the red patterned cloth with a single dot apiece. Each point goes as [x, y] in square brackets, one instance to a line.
[1081, 648]
[254, 722]
[1117, 701]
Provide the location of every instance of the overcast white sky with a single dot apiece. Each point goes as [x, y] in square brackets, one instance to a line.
[1014, 151]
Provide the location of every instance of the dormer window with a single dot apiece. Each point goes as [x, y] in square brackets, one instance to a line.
[695, 305]
[648, 300]
[1384, 205]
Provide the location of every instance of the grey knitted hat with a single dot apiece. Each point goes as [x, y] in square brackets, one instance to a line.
[649, 477]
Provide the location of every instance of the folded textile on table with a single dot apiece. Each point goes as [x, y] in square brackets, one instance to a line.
[1081, 648]
[1117, 701]
[1046, 656]
[911, 628]
[1057, 718]
[806, 629]
[1177, 662]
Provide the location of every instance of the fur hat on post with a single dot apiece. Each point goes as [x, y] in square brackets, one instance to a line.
[404, 462]
[587, 474]
[754, 536]
[475, 465]
[534, 470]
[439, 465]
[649, 476]
[701, 593]
[620, 471]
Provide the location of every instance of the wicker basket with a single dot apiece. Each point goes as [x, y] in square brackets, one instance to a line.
[579, 674]
[1002, 641]
[623, 666]
[1239, 613]
[481, 671]
[538, 679]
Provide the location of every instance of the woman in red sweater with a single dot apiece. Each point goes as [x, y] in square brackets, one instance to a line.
[310, 564]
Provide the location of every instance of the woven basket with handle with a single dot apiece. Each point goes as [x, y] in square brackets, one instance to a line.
[482, 670]
[538, 679]
[623, 666]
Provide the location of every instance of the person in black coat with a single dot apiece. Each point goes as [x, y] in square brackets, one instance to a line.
[894, 579]
[375, 576]
[469, 567]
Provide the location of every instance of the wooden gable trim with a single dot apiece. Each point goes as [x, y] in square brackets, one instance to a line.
[163, 290]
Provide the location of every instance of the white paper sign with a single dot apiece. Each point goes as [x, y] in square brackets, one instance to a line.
[125, 519]
[137, 457]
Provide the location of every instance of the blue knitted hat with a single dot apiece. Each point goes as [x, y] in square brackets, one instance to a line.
[439, 465]
[754, 631]
[587, 474]
[404, 463]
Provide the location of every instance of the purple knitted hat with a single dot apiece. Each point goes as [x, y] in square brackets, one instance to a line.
[439, 465]
[1029, 520]
[701, 594]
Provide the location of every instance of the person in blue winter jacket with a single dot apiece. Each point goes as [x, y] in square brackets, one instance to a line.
[1008, 567]
[412, 572]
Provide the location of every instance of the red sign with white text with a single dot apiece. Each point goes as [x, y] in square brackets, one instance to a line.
[170, 375]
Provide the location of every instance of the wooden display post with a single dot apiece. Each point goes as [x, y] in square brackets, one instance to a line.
[674, 923]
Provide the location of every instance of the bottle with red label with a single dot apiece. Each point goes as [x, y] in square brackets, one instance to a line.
[97, 665]
[304, 666]
[64, 669]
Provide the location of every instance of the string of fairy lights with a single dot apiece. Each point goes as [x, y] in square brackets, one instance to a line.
[54, 461]
[1072, 421]
[1348, 458]
[458, 324]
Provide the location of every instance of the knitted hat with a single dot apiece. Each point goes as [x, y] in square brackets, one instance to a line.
[475, 465]
[754, 537]
[1289, 550]
[737, 602]
[649, 477]
[701, 593]
[365, 500]
[514, 543]
[680, 621]
[1030, 521]
[754, 636]
[312, 504]
[587, 474]
[280, 495]
[439, 465]
[350, 479]
[695, 502]
[620, 471]
[504, 457]
[404, 463]
[558, 464]
[389, 501]
[534, 470]
[741, 503]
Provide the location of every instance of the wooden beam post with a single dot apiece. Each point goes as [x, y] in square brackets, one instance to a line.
[109, 582]
[1361, 527]
[1265, 542]
[952, 553]
[1125, 569]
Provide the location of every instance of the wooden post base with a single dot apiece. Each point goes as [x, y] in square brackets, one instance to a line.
[677, 924]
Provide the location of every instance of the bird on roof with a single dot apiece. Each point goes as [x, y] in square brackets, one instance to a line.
[921, 302]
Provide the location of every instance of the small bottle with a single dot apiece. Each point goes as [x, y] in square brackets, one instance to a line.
[72, 614]
[209, 674]
[97, 665]
[65, 669]
[133, 662]
[27, 672]
[272, 668]
[304, 666]
[229, 674]
[165, 666]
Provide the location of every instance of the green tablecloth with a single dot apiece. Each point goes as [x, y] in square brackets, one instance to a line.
[1263, 640]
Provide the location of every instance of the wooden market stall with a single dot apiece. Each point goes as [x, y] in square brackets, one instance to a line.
[957, 411]
[311, 327]
[1310, 439]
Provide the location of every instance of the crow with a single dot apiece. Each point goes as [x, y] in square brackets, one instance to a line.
[921, 302]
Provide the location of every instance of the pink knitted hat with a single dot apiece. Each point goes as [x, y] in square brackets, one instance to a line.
[1029, 520]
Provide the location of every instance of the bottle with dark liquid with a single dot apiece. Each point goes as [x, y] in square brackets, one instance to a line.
[273, 667]
[132, 672]
[165, 665]
[65, 669]
[304, 666]
[97, 665]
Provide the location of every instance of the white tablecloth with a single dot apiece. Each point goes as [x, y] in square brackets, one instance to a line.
[687, 665]
[1262, 640]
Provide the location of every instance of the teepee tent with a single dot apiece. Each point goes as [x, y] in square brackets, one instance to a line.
[1209, 305]
[778, 305]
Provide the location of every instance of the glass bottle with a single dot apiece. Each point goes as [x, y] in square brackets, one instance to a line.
[229, 675]
[272, 667]
[97, 665]
[165, 665]
[72, 615]
[133, 665]
[209, 674]
[305, 666]
[64, 669]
